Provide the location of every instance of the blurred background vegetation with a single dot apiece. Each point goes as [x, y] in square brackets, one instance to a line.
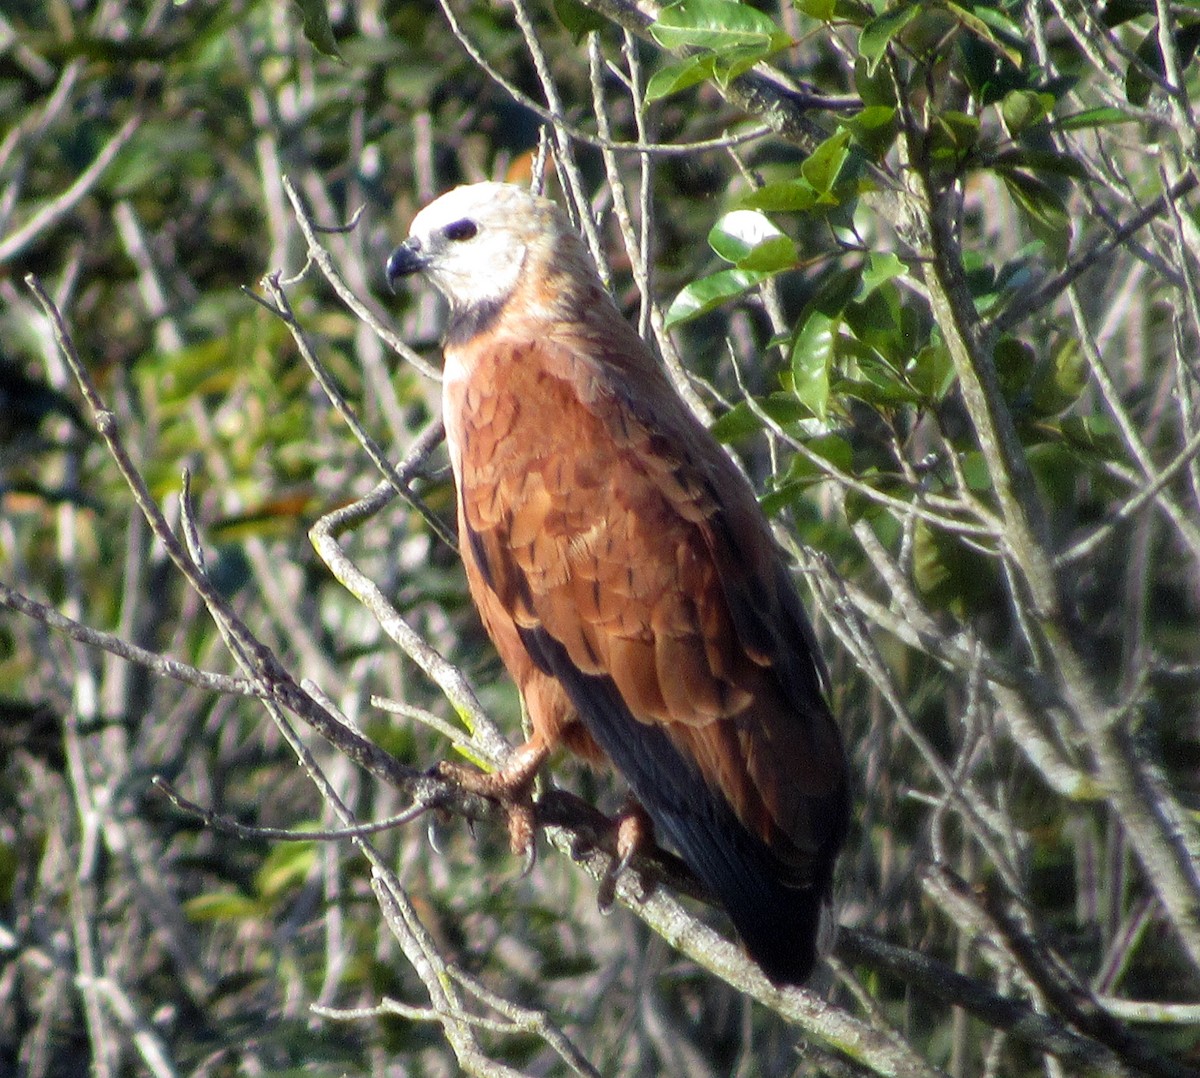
[930, 268]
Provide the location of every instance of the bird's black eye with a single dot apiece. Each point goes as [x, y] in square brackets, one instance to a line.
[461, 230]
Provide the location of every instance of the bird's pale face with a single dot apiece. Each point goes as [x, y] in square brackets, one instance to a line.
[473, 242]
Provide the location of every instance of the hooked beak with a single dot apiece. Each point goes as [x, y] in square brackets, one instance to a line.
[405, 260]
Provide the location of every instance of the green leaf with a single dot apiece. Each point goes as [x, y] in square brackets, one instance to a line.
[825, 162]
[977, 26]
[1092, 435]
[1060, 382]
[878, 33]
[1138, 85]
[284, 868]
[931, 371]
[716, 25]
[879, 268]
[1103, 116]
[752, 242]
[782, 196]
[831, 447]
[223, 906]
[317, 27]
[1043, 208]
[837, 288]
[738, 423]
[874, 128]
[711, 292]
[771, 256]
[951, 574]
[730, 63]
[679, 76]
[885, 326]
[812, 358]
[1031, 160]
[822, 10]
[739, 232]
[741, 422]
[996, 19]
[953, 135]
[579, 19]
[1015, 363]
[1022, 109]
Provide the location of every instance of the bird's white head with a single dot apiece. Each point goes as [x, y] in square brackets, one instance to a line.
[474, 243]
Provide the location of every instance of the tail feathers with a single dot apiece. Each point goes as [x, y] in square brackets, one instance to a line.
[778, 923]
[781, 927]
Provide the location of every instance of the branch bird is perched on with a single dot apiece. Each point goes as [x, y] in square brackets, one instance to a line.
[625, 571]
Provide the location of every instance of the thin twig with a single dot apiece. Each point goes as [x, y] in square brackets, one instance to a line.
[322, 260]
[56, 209]
[284, 311]
[434, 797]
[115, 645]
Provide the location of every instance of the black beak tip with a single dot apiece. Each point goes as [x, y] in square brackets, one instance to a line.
[405, 260]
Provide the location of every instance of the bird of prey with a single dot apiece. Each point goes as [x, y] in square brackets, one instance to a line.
[623, 568]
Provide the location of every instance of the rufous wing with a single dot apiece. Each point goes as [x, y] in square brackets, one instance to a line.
[624, 570]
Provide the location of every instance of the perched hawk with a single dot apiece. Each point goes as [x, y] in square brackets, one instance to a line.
[625, 571]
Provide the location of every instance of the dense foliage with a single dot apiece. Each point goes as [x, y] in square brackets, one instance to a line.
[931, 270]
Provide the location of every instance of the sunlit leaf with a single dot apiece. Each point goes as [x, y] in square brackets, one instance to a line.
[812, 357]
[878, 33]
[880, 267]
[715, 24]
[284, 868]
[825, 162]
[1103, 116]
[782, 196]
[223, 906]
[738, 232]
[771, 256]
[1061, 381]
[711, 292]
[675, 77]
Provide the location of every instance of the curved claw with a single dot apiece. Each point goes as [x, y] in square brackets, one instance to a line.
[510, 786]
[528, 857]
[635, 833]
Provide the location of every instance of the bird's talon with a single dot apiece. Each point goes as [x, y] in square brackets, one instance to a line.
[528, 859]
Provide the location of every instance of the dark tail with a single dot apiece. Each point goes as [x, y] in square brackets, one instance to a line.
[778, 923]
